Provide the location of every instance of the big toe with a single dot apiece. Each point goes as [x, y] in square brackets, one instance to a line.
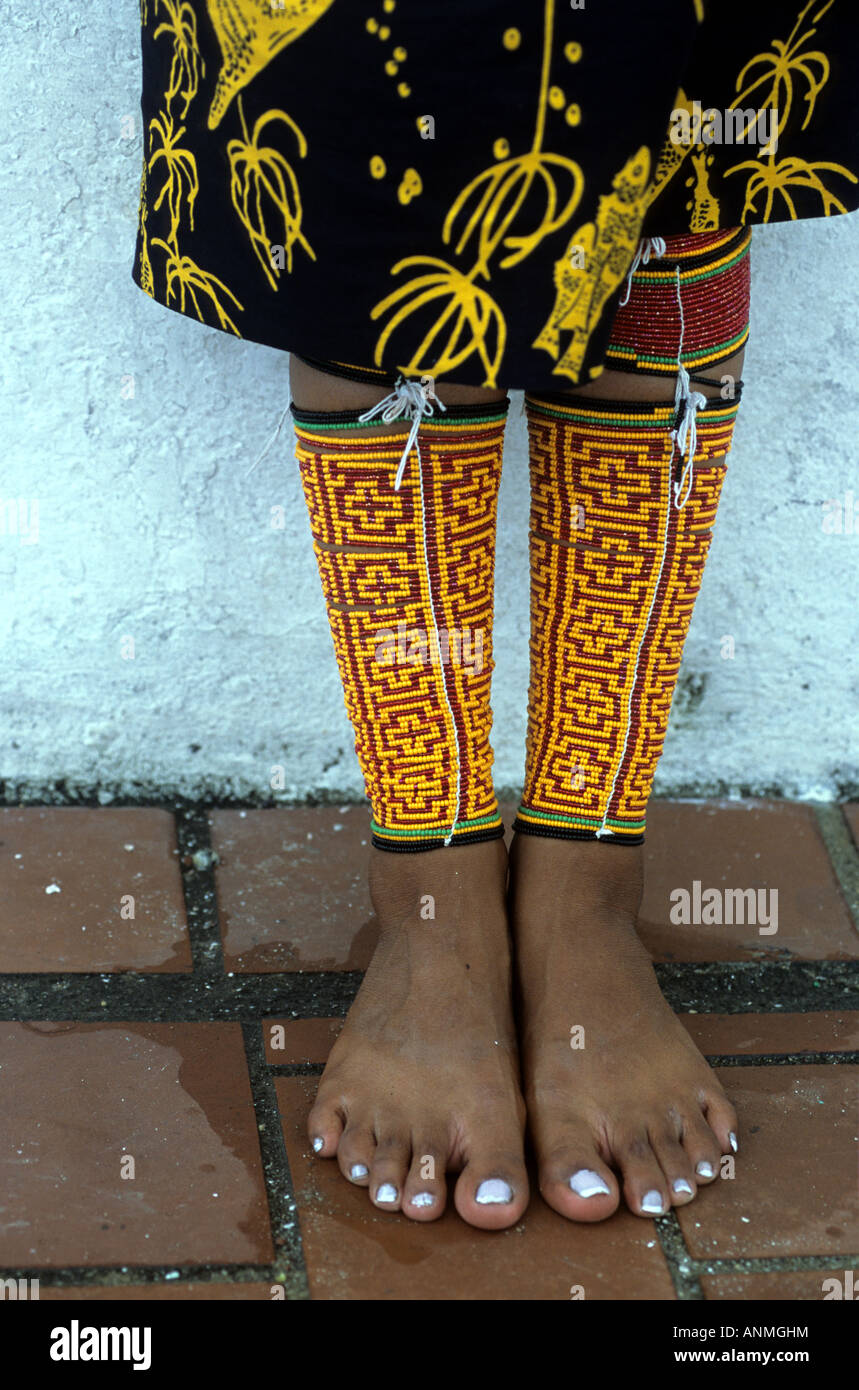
[574, 1180]
[492, 1189]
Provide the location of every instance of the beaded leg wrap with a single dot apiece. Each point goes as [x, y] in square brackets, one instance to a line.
[623, 498]
[406, 558]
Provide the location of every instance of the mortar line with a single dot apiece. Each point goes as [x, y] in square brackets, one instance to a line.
[727, 988]
[676, 1255]
[280, 1191]
[843, 856]
[200, 893]
[62, 1276]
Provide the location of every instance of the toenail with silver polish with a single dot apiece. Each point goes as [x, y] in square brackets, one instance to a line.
[705, 1170]
[318, 1144]
[422, 1199]
[652, 1203]
[681, 1185]
[358, 1171]
[386, 1193]
[493, 1190]
[586, 1183]
[732, 1139]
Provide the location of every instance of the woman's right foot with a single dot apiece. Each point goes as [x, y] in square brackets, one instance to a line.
[424, 1077]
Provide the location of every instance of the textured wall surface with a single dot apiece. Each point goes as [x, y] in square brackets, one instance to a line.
[150, 530]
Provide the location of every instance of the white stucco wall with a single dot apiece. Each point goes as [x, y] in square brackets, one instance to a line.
[149, 528]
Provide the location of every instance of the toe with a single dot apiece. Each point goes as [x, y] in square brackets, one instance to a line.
[575, 1181]
[425, 1190]
[388, 1171]
[702, 1148]
[324, 1128]
[677, 1169]
[722, 1119]
[355, 1154]
[645, 1189]
[492, 1189]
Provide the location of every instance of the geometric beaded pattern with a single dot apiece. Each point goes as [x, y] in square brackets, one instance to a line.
[418, 558]
[615, 570]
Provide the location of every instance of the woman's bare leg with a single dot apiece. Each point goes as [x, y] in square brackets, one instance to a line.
[635, 1110]
[424, 1078]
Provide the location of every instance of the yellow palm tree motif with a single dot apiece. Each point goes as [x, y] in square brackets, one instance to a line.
[185, 280]
[262, 173]
[180, 169]
[182, 270]
[250, 34]
[476, 319]
[779, 68]
[484, 216]
[789, 173]
[790, 57]
[187, 64]
[147, 279]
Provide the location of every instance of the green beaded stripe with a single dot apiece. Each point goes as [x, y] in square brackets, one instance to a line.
[688, 277]
[657, 416]
[586, 822]
[433, 832]
[727, 349]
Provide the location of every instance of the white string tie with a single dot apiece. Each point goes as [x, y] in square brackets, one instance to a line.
[409, 398]
[647, 247]
[259, 458]
[687, 403]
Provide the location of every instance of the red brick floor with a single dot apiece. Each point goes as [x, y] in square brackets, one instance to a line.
[172, 985]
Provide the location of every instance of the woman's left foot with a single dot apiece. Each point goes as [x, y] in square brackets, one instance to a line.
[619, 1098]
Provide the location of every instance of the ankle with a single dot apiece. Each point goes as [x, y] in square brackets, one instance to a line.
[439, 883]
[576, 874]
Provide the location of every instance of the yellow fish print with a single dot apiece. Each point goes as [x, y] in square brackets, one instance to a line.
[597, 257]
[250, 33]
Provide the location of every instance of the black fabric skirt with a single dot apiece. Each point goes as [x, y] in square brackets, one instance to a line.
[434, 186]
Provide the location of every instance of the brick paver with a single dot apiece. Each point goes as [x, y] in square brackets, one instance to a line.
[90, 890]
[354, 1251]
[795, 1191]
[213, 1112]
[129, 1144]
[769, 845]
[292, 888]
[788, 1286]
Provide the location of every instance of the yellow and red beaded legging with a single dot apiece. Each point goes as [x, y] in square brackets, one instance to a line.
[620, 528]
[408, 579]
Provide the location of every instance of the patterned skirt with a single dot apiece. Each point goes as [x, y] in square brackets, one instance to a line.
[459, 190]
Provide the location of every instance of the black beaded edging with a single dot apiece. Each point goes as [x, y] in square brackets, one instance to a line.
[559, 833]
[472, 837]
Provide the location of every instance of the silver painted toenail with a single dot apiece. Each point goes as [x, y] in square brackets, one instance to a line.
[732, 1139]
[493, 1190]
[586, 1183]
[705, 1170]
[318, 1144]
[652, 1203]
[386, 1193]
[358, 1171]
[681, 1185]
[422, 1199]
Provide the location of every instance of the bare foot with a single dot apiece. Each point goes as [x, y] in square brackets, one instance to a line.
[424, 1077]
[628, 1102]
